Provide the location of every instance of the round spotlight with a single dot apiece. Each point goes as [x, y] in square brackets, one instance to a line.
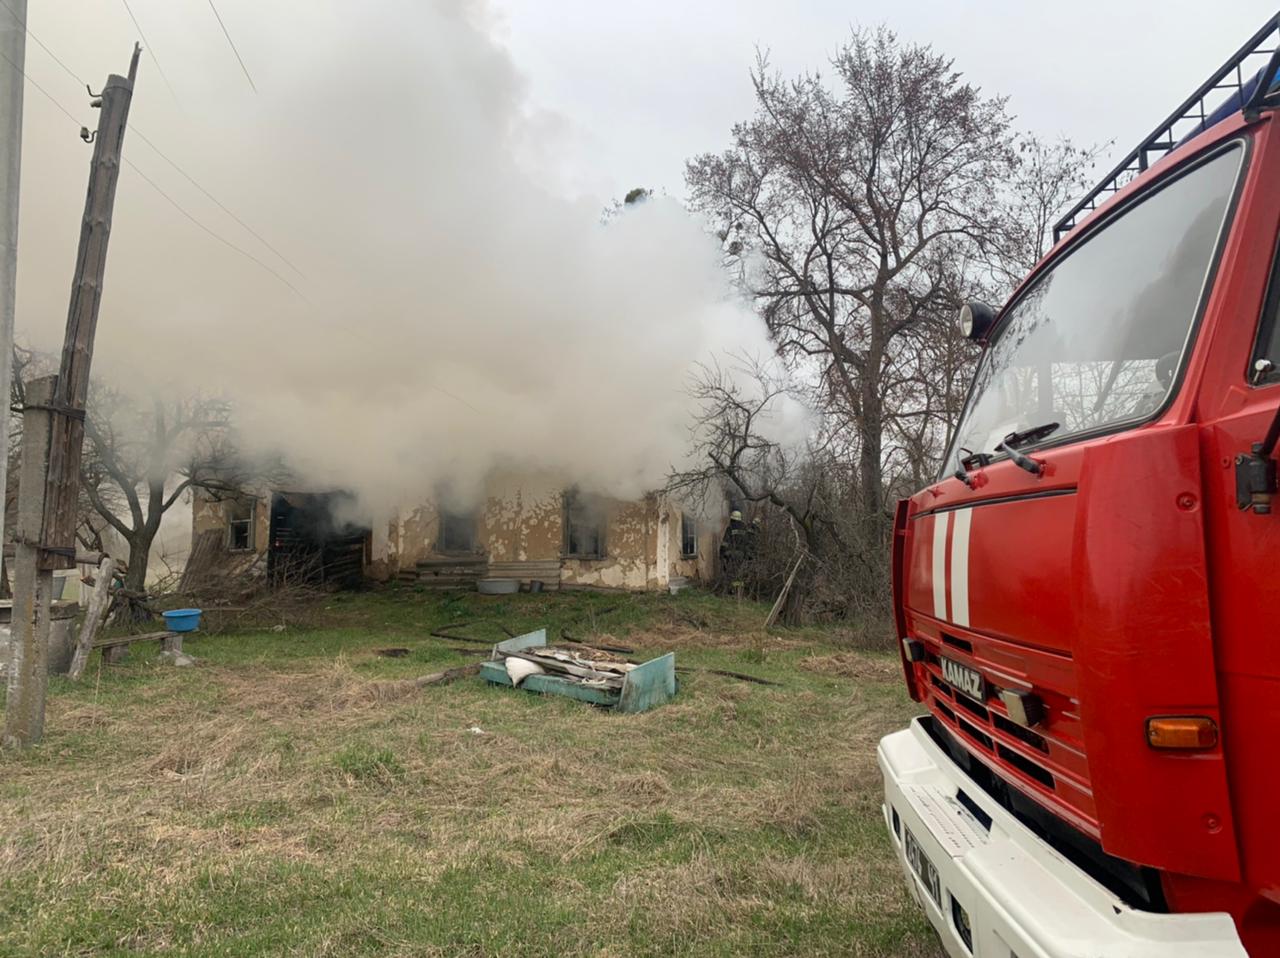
[976, 319]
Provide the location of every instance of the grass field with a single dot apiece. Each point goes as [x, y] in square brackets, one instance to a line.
[289, 796]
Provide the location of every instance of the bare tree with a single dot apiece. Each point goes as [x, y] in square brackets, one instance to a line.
[1046, 178]
[859, 211]
[733, 448]
[140, 457]
[854, 208]
[743, 447]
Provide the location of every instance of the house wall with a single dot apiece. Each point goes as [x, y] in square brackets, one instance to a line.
[702, 566]
[520, 517]
[211, 514]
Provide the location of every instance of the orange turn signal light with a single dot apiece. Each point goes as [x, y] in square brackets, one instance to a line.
[1182, 732]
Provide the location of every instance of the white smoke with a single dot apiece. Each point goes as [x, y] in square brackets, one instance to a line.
[462, 309]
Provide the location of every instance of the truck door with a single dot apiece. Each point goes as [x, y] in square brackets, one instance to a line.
[1238, 403]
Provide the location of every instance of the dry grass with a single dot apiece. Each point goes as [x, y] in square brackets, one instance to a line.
[851, 665]
[315, 805]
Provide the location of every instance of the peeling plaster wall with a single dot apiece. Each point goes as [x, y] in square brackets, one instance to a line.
[209, 514]
[702, 566]
[630, 561]
[520, 518]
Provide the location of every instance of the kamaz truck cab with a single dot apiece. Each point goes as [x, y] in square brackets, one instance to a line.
[1088, 598]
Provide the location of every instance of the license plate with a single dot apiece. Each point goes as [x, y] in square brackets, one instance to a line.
[921, 865]
[967, 680]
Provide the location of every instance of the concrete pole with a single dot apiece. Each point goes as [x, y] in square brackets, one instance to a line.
[13, 46]
[32, 585]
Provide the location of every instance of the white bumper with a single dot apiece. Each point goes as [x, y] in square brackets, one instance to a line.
[1022, 898]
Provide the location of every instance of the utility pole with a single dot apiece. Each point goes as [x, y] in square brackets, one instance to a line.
[32, 588]
[13, 49]
[50, 484]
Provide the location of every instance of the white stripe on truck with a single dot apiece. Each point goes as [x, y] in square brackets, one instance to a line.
[960, 568]
[940, 522]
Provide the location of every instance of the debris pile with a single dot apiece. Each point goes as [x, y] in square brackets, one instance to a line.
[581, 672]
[592, 668]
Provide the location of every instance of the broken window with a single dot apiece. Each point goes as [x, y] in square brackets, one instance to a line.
[240, 524]
[688, 536]
[584, 525]
[457, 532]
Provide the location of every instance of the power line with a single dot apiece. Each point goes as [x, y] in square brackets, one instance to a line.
[150, 49]
[232, 43]
[190, 179]
[221, 239]
[150, 182]
[56, 59]
[47, 94]
[147, 140]
[214, 234]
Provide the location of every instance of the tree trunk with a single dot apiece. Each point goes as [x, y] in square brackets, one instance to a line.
[870, 453]
[135, 579]
[132, 608]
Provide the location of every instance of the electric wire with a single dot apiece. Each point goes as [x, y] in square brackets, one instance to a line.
[212, 233]
[218, 203]
[150, 182]
[219, 237]
[232, 44]
[150, 143]
[23, 25]
[150, 49]
[48, 96]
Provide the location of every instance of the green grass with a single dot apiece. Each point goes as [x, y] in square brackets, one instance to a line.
[289, 796]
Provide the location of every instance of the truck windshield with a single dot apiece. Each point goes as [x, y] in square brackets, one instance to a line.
[1098, 340]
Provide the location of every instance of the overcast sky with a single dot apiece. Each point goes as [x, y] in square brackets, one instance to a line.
[620, 95]
[435, 170]
[646, 85]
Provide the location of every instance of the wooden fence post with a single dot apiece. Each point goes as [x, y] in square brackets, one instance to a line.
[98, 604]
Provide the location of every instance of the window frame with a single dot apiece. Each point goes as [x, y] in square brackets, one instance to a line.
[569, 499]
[688, 531]
[1267, 329]
[250, 523]
[1243, 142]
[471, 519]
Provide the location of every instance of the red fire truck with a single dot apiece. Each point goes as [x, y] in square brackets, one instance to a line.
[1085, 597]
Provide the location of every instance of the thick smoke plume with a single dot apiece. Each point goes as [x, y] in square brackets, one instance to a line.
[457, 307]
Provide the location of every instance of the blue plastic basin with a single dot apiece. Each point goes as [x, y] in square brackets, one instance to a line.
[182, 620]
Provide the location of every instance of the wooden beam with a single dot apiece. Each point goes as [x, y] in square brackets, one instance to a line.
[82, 558]
[67, 439]
[93, 618]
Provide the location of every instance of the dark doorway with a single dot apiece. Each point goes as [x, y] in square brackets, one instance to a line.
[312, 541]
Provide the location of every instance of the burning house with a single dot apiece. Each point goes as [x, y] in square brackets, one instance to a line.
[525, 526]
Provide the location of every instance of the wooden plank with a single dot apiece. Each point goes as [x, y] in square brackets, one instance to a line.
[649, 684]
[496, 673]
[82, 558]
[447, 676]
[113, 641]
[530, 640]
[93, 618]
[453, 562]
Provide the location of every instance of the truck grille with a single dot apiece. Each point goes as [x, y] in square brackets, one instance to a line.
[1137, 886]
[1048, 767]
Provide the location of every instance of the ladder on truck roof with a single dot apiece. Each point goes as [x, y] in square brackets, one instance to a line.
[1241, 76]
